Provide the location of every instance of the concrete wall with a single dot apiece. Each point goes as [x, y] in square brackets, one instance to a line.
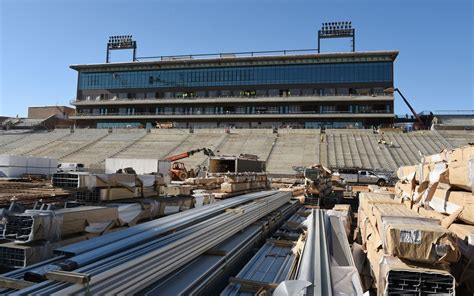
[47, 111]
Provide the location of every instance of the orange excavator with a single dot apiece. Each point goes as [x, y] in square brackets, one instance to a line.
[178, 170]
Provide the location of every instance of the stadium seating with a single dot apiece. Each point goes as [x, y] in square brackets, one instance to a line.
[282, 151]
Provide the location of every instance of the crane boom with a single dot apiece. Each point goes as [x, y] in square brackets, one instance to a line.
[418, 119]
[187, 154]
[422, 125]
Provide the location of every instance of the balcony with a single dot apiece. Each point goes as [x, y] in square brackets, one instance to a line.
[240, 100]
[233, 115]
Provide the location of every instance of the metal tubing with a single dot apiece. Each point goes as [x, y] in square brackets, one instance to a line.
[95, 249]
[314, 264]
[145, 270]
[150, 261]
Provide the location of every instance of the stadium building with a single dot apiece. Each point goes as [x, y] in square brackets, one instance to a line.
[265, 89]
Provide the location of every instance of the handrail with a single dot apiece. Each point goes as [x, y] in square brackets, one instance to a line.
[228, 54]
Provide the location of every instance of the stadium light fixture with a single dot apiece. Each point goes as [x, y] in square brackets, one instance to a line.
[121, 42]
[336, 30]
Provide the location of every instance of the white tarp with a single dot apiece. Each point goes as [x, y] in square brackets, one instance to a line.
[13, 166]
[141, 166]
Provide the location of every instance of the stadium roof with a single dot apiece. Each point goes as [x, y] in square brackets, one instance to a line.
[228, 58]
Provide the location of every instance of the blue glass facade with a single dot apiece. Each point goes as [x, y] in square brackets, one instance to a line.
[233, 76]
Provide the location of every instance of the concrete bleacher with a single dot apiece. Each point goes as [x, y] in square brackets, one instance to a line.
[293, 148]
[282, 151]
[156, 145]
[70, 144]
[95, 153]
[26, 145]
[456, 137]
[258, 143]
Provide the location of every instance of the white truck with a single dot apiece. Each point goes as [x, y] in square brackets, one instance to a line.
[65, 167]
[363, 176]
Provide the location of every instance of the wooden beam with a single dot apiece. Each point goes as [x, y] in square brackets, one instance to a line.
[252, 286]
[69, 277]
[281, 243]
[9, 283]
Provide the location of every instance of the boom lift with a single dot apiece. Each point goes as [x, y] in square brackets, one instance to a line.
[178, 169]
[420, 124]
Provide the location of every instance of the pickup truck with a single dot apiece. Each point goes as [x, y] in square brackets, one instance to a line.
[363, 176]
[70, 167]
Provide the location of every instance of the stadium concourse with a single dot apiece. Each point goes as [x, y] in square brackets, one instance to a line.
[282, 150]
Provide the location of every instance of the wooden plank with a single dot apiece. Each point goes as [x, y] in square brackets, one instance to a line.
[252, 286]
[281, 243]
[15, 284]
[69, 277]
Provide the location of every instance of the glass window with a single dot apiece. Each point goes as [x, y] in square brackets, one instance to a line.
[256, 75]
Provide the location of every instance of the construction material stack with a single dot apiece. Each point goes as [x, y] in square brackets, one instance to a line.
[33, 235]
[441, 187]
[131, 260]
[207, 183]
[408, 253]
[241, 183]
[89, 187]
[318, 184]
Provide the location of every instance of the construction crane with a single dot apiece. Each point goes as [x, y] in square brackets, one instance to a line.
[421, 124]
[178, 169]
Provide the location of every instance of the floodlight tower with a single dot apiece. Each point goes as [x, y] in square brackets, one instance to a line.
[121, 42]
[336, 30]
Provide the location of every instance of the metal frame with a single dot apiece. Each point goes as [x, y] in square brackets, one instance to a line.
[336, 30]
[121, 42]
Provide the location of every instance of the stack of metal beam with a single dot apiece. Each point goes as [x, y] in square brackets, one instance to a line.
[128, 261]
[319, 264]
[105, 187]
[209, 272]
[275, 261]
[35, 233]
[326, 265]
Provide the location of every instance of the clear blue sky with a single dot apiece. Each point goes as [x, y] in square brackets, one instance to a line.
[40, 39]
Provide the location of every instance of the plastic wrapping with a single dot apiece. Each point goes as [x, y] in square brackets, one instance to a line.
[33, 226]
[345, 217]
[290, 288]
[346, 281]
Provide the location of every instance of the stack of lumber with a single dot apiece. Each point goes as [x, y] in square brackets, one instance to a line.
[29, 192]
[176, 190]
[296, 191]
[441, 187]
[286, 182]
[240, 183]
[207, 183]
[318, 184]
[402, 245]
[293, 185]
